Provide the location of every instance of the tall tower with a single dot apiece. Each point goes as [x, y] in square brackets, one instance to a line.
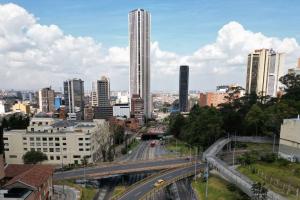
[139, 42]
[101, 92]
[74, 95]
[183, 88]
[264, 68]
[46, 100]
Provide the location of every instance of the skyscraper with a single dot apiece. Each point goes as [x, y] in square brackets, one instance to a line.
[264, 69]
[74, 96]
[46, 100]
[101, 92]
[183, 88]
[139, 39]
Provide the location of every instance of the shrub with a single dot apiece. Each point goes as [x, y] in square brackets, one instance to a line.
[123, 150]
[269, 158]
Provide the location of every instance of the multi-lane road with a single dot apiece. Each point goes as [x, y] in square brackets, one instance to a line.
[140, 190]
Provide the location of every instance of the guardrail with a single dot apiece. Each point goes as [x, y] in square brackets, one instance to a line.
[143, 181]
[155, 190]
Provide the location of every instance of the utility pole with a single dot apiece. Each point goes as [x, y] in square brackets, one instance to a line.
[206, 175]
[233, 156]
[274, 143]
[196, 163]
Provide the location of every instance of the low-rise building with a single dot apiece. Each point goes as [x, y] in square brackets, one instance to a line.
[103, 112]
[21, 107]
[289, 143]
[27, 182]
[121, 110]
[4, 107]
[63, 141]
[212, 98]
[137, 108]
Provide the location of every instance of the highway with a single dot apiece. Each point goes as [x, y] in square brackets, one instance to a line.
[140, 190]
[121, 168]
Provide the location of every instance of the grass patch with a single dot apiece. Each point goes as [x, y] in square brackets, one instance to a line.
[181, 148]
[255, 147]
[118, 190]
[218, 189]
[133, 144]
[275, 175]
[87, 193]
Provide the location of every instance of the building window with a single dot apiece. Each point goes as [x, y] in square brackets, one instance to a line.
[6, 149]
[56, 139]
[64, 138]
[87, 144]
[64, 143]
[44, 143]
[50, 138]
[24, 143]
[57, 157]
[80, 138]
[51, 157]
[25, 149]
[13, 156]
[87, 138]
[81, 149]
[5, 138]
[38, 139]
[32, 149]
[50, 143]
[51, 149]
[38, 144]
[45, 150]
[31, 138]
[39, 149]
[24, 138]
[65, 156]
[65, 149]
[76, 156]
[44, 139]
[57, 149]
[87, 149]
[57, 144]
[80, 144]
[31, 143]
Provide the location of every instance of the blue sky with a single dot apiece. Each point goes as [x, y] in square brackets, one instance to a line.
[179, 26]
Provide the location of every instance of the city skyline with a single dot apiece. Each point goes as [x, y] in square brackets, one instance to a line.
[60, 55]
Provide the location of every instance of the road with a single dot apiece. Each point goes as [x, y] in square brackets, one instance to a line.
[140, 190]
[66, 193]
[119, 168]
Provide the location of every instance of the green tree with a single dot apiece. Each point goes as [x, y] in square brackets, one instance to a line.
[255, 118]
[292, 86]
[259, 191]
[33, 157]
[119, 134]
[176, 123]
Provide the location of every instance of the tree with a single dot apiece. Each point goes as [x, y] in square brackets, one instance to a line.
[119, 134]
[292, 86]
[259, 191]
[176, 123]
[33, 157]
[255, 118]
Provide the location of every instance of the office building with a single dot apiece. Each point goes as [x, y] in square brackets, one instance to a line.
[264, 68]
[64, 142]
[289, 143]
[121, 110]
[139, 43]
[4, 107]
[57, 102]
[103, 112]
[46, 100]
[183, 88]
[101, 92]
[74, 97]
[137, 108]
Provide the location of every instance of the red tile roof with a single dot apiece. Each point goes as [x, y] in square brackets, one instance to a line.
[35, 176]
[13, 170]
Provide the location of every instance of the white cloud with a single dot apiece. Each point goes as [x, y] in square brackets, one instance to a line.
[33, 55]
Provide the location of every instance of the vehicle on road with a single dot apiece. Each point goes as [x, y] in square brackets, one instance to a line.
[152, 144]
[159, 183]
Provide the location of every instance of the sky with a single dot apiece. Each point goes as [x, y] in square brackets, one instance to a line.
[43, 43]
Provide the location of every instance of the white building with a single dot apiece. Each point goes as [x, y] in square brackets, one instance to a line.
[121, 110]
[4, 107]
[139, 42]
[264, 69]
[289, 144]
[64, 142]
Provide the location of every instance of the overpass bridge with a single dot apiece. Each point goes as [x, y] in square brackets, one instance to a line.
[121, 168]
